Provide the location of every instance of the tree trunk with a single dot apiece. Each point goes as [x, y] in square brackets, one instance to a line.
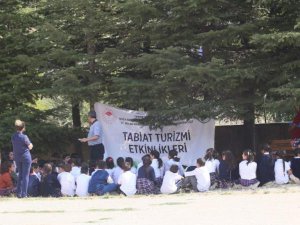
[76, 115]
[77, 125]
[249, 129]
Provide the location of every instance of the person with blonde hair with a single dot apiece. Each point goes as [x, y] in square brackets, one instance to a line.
[21, 148]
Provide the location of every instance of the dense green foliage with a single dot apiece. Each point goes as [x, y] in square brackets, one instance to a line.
[177, 59]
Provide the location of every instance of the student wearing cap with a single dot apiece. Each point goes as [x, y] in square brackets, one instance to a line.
[94, 138]
[21, 147]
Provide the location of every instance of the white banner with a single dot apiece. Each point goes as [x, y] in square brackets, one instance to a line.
[124, 138]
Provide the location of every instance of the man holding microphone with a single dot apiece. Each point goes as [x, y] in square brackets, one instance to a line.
[94, 138]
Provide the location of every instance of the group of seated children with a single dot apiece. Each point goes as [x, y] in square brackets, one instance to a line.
[153, 176]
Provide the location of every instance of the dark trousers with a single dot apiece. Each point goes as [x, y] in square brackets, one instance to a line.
[23, 166]
[190, 182]
[96, 152]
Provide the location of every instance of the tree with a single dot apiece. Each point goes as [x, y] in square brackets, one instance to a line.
[168, 76]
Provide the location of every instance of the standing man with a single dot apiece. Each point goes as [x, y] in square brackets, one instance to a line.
[21, 149]
[94, 138]
[295, 129]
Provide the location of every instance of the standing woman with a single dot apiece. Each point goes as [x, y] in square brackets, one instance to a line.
[21, 147]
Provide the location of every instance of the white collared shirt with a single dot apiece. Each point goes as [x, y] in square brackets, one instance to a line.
[116, 173]
[169, 183]
[212, 165]
[171, 162]
[158, 171]
[247, 171]
[67, 183]
[202, 176]
[281, 174]
[127, 180]
[76, 171]
[82, 182]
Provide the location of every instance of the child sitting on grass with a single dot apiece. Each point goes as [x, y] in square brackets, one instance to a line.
[173, 160]
[83, 181]
[212, 164]
[127, 180]
[146, 180]
[34, 181]
[247, 170]
[66, 180]
[118, 170]
[50, 186]
[6, 182]
[171, 182]
[101, 183]
[110, 165]
[199, 178]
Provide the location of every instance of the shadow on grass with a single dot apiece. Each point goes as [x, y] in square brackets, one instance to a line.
[170, 203]
[111, 210]
[34, 211]
[97, 221]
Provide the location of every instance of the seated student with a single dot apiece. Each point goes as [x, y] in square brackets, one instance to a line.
[158, 166]
[34, 181]
[212, 164]
[199, 178]
[140, 164]
[118, 170]
[247, 169]
[6, 182]
[171, 182]
[282, 169]
[75, 163]
[110, 165]
[127, 180]
[265, 166]
[146, 178]
[132, 167]
[101, 183]
[83, 181]
[173, 160]
[50, 186]
[295, 164]
[66, 180]
[228, 170]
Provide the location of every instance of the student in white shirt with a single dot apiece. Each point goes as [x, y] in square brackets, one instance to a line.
[82, 181]
[110, 165]
[66, 180]
[171, 180]
[199, 178]
[132, 167]
[247, 170]
[157, 165]
[173, 160]
[75, 163]
[212, 164]
[118, 170]
[282, 169]
[127, 180]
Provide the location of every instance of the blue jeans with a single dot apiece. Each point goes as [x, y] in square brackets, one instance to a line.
[23, 166]
[107, 189]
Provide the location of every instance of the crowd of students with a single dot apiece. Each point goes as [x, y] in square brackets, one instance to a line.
[71, 177]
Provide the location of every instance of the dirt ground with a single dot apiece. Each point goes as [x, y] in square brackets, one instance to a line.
[264, 206]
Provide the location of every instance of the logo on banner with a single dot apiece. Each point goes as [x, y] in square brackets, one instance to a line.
[108, 116]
